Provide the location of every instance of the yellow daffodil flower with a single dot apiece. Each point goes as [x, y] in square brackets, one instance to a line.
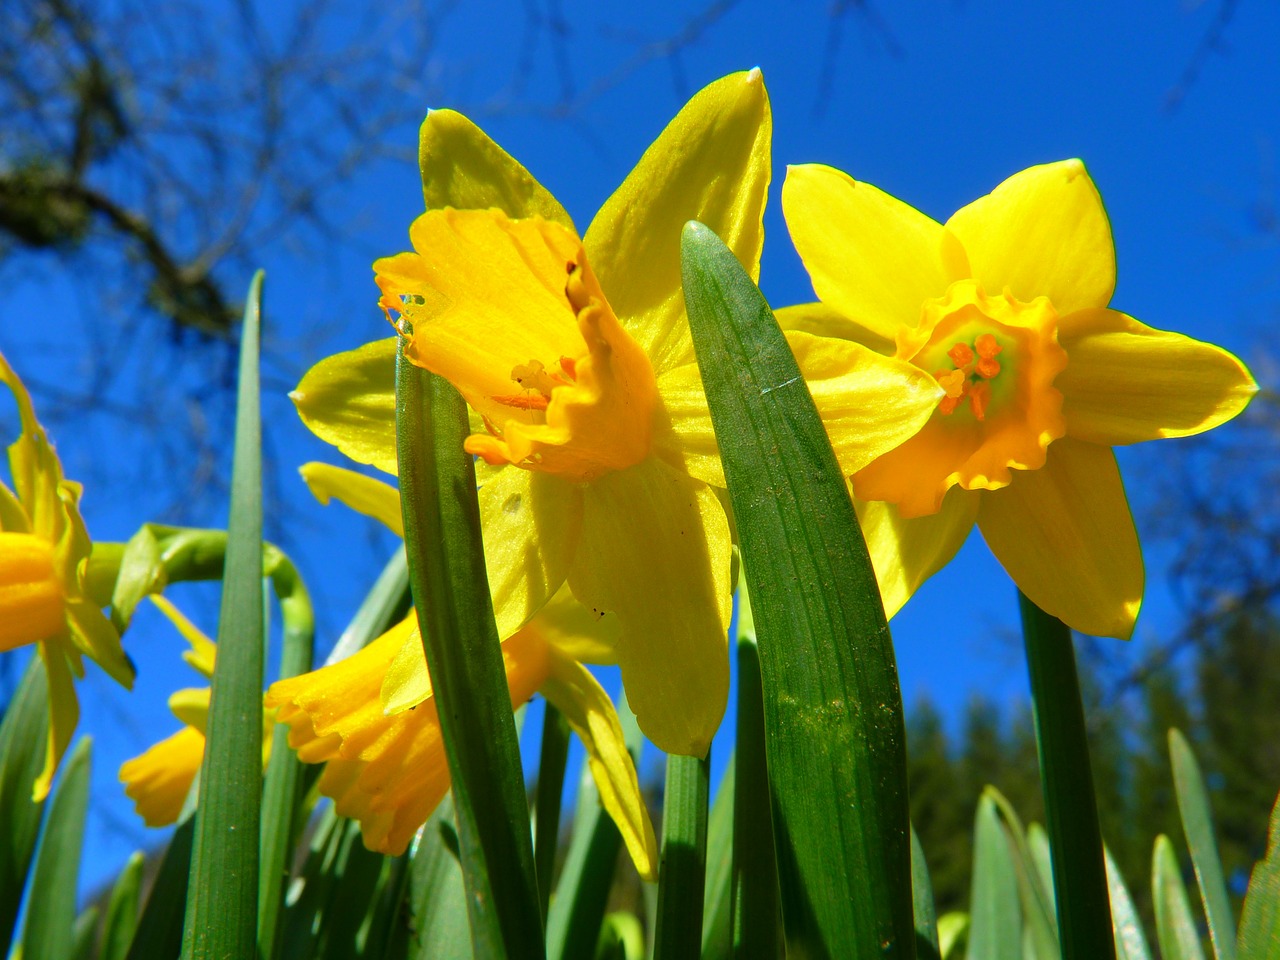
[372, 717]
[576, 359]
[1006, 305]
[43, 599]
[159, 779]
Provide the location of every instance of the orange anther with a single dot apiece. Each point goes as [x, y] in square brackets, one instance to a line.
[947, 405]
[979, 394]
[987, 346]
[987, 367]
[961, 354]
[570, 367]
[523, 401]
[952, 381]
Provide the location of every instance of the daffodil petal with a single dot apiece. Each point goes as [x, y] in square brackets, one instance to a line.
[1065, 535]
[710, 164]
[869, 255]
[906, 553]
[1126, 382]
[64, 713]
[869, 404]
[407, 682]
[591, 715]
[349, 400]
[13, 519]
[363, 494]
[191, 706]
[530, 523]
[158, 780]
[96, 637]
[685, 437]
[822, 320]
[589, 636]
[461, 167]
[203, 652]
[485, 295]
[655, 549]
[1043, 232]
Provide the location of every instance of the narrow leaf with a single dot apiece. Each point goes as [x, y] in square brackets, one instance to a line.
[757, 907]
[1131, 942]
[683, 869]
[436, 891]
[578, 908]
[49, 933]
[84, 935]
[922, 903]
[222, 905]
[995, 920]
[553, 754]
[1071, 812]
[1175, 926]
[717, 898]
[1037, 906]
[159, 932]
[22, 741]
[1197, 824]
[832, 707]
[451, 593]
[122, 910]
[1260, 922]
[282, 787]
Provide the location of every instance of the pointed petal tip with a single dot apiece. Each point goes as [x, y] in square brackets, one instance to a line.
[755, 75]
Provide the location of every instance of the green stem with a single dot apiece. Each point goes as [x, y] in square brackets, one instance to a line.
[1075, 838]
[683, 870]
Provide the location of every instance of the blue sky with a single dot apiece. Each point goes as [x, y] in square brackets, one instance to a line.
[936, 106]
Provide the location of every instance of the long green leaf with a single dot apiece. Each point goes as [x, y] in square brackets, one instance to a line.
[48, 933]
[159, 931]
[995, 918]
[437, 893]
[1071, 811]
[757, 908]
[683, 869]
[1131, 942]
[836, 743]
[1037, 906]
[1175, 926]
[22, 744]
[1197, 824]
[581, 896]
[84, 935]
[717, 899]
[282, 787]
[1260, 922]
[922, 903]
[553, 754]
[122, 910]
[451, 593]
[222, 903]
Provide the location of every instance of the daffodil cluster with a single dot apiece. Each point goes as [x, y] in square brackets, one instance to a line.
[967, 372]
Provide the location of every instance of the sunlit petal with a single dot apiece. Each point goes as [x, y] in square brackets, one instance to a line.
[349, 400]
[361, 493]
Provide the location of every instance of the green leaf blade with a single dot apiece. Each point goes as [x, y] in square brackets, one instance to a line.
[1197, 824]
[683, 869]
[49, 932]
[222, 904]
[451, 593]
[1260, 921]
[833, 709]
[995, 917]
[1175, 926]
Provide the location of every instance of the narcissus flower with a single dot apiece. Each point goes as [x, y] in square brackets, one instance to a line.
[575, 356]
[372, 717]
[159, 779]
[1006, 305]
[43, 599]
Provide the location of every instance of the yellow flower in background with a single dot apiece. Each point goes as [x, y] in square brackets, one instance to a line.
[1006, 305]
[158, 780]
[575, 356]
[43, 600]
[372, 717]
